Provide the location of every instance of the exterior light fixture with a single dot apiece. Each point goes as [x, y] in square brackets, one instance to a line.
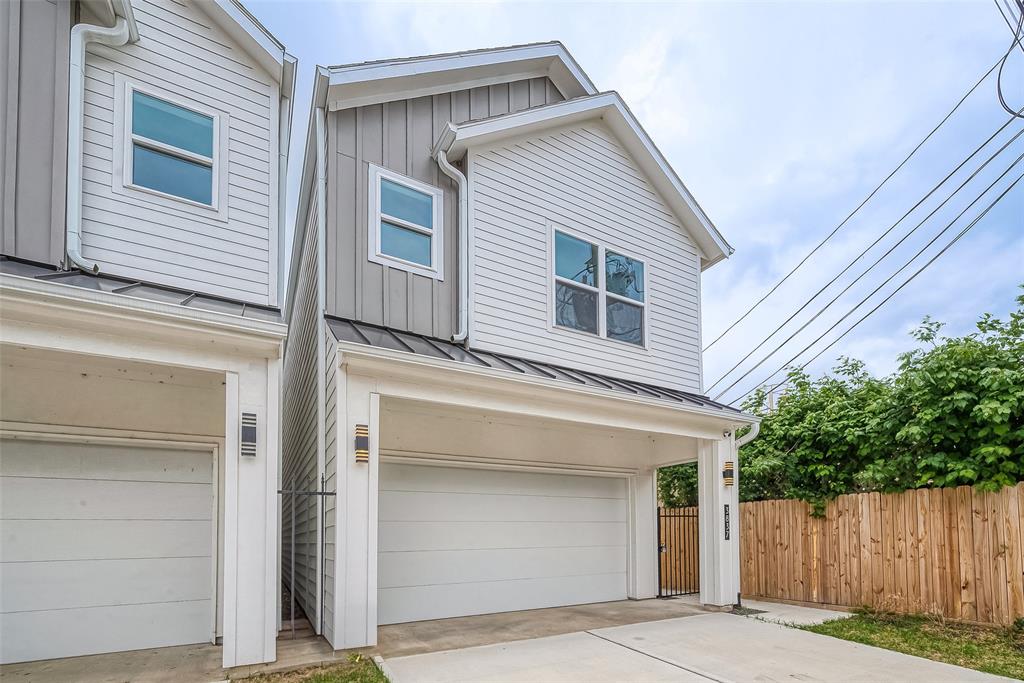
[727, 473]
[362, 443]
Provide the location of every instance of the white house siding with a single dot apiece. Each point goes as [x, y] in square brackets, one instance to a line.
[182, 53]
[299, 470]
[331, 477]
[582, 179]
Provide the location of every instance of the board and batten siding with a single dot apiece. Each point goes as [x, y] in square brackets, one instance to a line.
[33, 128]
[183, 54]
[582, 179]
[399, 136]
[299, 467]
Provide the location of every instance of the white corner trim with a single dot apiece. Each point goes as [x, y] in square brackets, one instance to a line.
[435, 232]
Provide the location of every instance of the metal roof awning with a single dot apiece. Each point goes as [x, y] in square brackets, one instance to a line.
[397, 340]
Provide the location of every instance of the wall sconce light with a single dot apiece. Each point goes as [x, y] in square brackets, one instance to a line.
[362, 443]
[727, 473]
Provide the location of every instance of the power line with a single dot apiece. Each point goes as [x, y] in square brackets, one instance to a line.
[869, 248]
[895, 291]
[1002, 63]
[1009, 20]
[858, 207]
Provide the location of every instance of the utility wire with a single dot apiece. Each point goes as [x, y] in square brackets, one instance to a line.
[870, 247]
[895, 291]
[858, 207]
[1009, 20]
[1002, 62]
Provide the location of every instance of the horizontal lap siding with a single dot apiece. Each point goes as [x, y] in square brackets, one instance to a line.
[330, 484]
[399, 135]
[183, 54]
[580, 179]
[299, 470]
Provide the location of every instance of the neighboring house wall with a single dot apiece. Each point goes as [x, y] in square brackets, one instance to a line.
[33, 128]
[399, 136]
[299, 470]
[230, 251]
[582, 180]
[330, 477]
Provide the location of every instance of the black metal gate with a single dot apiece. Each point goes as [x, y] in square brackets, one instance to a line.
[678, 552]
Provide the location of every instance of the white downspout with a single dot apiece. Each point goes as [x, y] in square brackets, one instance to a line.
[755, 429]
[462, 331]
[321, 347]
[81, 36]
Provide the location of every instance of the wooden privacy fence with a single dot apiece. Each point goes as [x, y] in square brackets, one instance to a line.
[953, 551]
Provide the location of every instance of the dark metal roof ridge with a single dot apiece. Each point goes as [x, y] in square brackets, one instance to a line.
[538, 368]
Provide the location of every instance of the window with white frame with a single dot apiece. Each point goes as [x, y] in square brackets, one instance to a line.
[598, 291]
[171, 149]
[406, 224]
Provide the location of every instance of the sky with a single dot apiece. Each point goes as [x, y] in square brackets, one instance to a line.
[780, 118]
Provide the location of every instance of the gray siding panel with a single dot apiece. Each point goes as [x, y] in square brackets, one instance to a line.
[33, 128]
[331, 478]
[399, 135]
[299, 469]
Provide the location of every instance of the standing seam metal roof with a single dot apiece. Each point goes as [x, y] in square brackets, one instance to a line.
[396, 340]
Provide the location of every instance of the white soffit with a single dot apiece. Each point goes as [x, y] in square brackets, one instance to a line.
[608, 107]
[369, 83]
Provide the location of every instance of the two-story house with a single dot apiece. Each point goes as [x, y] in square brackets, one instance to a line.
[144, 154]
[494, 315]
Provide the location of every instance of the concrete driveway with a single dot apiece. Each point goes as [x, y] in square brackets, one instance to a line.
[708, 647]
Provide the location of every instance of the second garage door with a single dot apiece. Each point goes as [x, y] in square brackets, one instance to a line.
[458, 541]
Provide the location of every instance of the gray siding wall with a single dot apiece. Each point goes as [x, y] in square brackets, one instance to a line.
[299, 469]
[33, 127]
[331, 477]
[398, 136]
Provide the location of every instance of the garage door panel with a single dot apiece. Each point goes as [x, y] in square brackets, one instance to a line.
[442, 567]
[398, 605]
[477, 535]
[30, 636]
[440, 507]
[52, 459]
[33, 540]
[499, 482]
[39, 498]
[29, 586]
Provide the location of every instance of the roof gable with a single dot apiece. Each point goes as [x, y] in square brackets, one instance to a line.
[608, 107]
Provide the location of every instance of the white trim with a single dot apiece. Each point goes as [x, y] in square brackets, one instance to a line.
[119, 437]
[435, 232]
[600, 290]
[124, 140]
[357, 85]
[457, 139]
[471, 462]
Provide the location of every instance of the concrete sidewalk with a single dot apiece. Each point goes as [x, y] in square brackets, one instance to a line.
[715, 647]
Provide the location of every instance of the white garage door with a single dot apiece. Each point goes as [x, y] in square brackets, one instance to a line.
[458, 541]
[104, 548]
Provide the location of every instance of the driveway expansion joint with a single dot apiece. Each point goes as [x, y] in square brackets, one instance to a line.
[698, 672]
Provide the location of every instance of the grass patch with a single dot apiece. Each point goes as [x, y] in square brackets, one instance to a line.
[358, 669]
[997, 651]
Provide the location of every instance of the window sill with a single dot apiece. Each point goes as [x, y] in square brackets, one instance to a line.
[598, 340]
[407, 266]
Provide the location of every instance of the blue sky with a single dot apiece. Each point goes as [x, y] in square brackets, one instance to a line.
[780, 118]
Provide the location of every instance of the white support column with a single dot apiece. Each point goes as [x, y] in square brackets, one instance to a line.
[643, 545]
[719, 555]
[356, 531]
[250, 518]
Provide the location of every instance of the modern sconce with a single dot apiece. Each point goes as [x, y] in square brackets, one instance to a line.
[247, 441]
[727, 473]
[362, 443]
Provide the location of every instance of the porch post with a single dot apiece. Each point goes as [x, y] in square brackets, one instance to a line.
[355, 580]
[718, 517]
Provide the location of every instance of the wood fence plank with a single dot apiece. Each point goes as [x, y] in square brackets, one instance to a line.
[949, 506]
[982, 548]
[997, 538]
[1014, 552]
[900, 526]
[832, 553]
[888, 549]
[923, 572]
[845, 544]
[937, 560]
[913, 576]
[965, 528]
[864, 529]
[877, 561]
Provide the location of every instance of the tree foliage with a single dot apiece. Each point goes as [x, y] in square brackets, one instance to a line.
[951, 414]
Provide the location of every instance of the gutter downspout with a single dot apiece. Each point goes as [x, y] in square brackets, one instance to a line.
[462, 331]
[755, 429]
[81, 36]
[321, 347]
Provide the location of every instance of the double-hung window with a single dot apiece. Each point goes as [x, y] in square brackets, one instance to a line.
[599, 290]
[405, 223]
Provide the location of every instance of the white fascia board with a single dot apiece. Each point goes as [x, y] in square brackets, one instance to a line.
[42, 295]
[360, 355]
[374, 82]
[237, 22]
[456, 139]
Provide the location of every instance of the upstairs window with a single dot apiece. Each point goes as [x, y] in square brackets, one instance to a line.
[172, 149]
[598, 290]
[405, 223]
